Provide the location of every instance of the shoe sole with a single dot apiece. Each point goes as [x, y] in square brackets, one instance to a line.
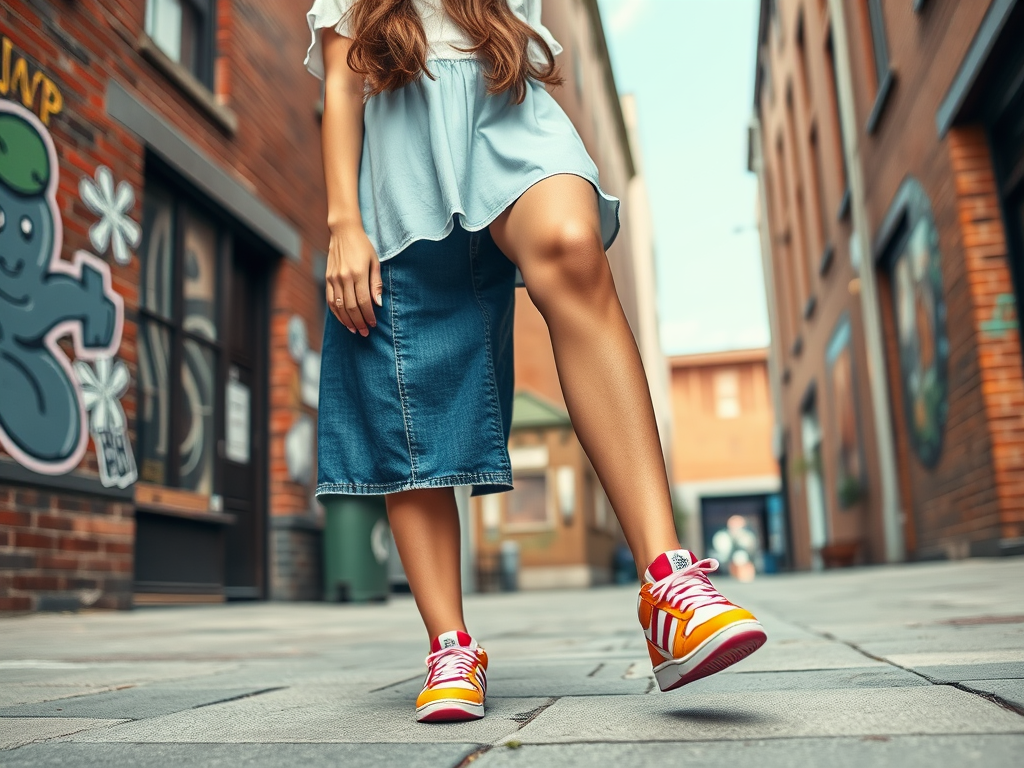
[449, 711]
[723, 649]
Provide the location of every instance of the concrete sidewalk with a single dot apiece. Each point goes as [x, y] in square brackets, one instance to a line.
[917, 665]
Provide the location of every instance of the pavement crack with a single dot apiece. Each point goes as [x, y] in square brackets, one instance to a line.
[525, 718]
[993, 697]
[418, 676]
[476, 753]
[596, 669]
[996, 699]
[241, 696]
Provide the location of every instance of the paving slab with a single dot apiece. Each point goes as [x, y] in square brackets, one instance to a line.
[807, 680]
[238, 755]
[18, 731]
[677, 716]
[13, 694]
[913, 660]
[897, 751]
[317, 714]
[128, 704]
[952, 673]
[794, 655]
[548, 680]
[39, 671]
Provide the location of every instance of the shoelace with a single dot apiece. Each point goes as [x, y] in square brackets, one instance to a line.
[450, 664]
[689, 588]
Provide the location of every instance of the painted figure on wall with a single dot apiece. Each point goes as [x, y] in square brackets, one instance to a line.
[42, 299]
[849, 463]
[920, 314]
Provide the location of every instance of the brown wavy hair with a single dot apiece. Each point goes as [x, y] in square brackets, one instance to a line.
[390, 46]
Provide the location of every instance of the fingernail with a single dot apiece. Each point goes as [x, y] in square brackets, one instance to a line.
[352, 330]
[364, 333]
[379, 299]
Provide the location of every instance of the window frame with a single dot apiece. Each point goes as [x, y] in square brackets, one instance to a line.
[182, 200]
[884, 76]
[206, 38]
[549, 523]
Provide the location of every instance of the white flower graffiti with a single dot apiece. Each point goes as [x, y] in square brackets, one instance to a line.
[115, 227]
[102, 389]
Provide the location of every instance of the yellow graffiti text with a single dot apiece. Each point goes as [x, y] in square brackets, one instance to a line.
[16, 81]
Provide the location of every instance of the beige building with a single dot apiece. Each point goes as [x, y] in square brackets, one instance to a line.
[722, 462]
[558, 515]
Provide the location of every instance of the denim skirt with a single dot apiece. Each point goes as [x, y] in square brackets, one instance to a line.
[425, 400]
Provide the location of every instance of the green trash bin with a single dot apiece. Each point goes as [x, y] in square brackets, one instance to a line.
[356, 548]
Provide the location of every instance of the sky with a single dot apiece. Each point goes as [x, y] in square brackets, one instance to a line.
[690, 64]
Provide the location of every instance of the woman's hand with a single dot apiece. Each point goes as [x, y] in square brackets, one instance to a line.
[353, 279]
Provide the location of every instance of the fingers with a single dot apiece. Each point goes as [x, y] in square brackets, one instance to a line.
[337, 309]
[363, 300]
[352, 306]
[376, 283]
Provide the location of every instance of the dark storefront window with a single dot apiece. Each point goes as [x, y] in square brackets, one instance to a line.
[184, 30]
[178, 343]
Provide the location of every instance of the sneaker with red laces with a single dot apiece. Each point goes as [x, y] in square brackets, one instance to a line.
[456, 680]
[692, 630]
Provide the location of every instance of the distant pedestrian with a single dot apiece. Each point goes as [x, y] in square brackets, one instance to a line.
[451, 175]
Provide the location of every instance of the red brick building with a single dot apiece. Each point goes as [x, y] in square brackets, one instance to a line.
[888, 142]
[162, 172]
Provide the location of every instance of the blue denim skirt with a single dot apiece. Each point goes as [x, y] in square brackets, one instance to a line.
[424, 401]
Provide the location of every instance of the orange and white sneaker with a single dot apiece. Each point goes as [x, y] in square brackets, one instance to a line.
[692, 631]
[456, 680]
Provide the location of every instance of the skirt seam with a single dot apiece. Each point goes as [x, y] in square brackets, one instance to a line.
[399, 376]
[474, 248]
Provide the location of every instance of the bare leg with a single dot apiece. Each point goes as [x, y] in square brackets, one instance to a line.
[552, 233]
[426, 527]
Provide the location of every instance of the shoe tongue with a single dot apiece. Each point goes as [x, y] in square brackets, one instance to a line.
[452, 639]
[668, 563]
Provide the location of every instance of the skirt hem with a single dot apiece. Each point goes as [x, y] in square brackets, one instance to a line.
[489, 218]
[495, 482]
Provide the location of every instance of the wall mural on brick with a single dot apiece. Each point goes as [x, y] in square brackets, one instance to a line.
[115, 229]
[920, 313]
[43, 299]
[298, 442]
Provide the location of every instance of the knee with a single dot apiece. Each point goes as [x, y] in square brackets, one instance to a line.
[569, 258]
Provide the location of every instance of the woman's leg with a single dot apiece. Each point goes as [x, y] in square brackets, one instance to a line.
[552, 233]
[425, 523]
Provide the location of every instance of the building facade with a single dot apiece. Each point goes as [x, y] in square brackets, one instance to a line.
[887, 140]
[722, 462]
[162, 187]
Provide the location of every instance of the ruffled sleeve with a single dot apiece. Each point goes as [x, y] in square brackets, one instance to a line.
[325, 13]
[530, 12]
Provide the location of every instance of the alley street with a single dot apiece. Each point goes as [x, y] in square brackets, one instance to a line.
[913, 665]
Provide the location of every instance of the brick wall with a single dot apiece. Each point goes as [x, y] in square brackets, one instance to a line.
[973, 495]
[275, 153]
[994, 321]
[60, 551]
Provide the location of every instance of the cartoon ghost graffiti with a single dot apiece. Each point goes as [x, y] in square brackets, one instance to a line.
[42, 299]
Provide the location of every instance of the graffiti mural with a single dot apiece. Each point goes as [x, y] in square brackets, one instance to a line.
[849, 462]
[920, 313]
[16, 81]
[43, 299]
[103, 385]
[115, 228]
